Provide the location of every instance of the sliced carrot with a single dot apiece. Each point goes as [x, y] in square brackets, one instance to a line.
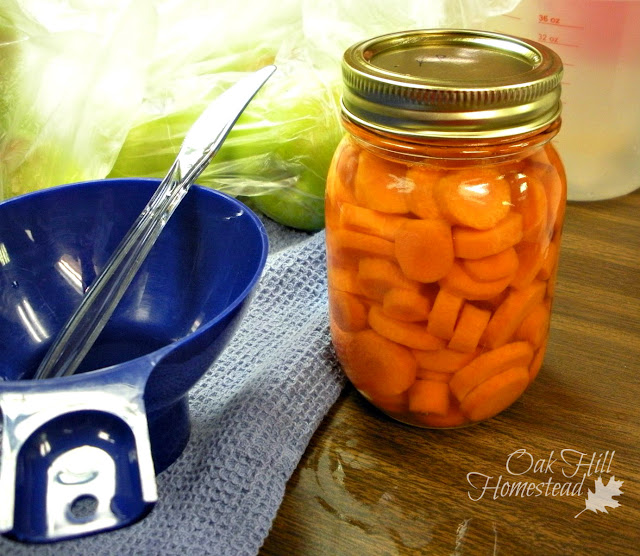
[550, 259]
[348, 311]
[331, 213]
[432, 375]
[444, 314]
[380, 184]
[343, 279]
[460, 283]
[535, 326]
[476, 244]
[530, 200]
[427, 396]
[396, 403]
[469, 328]
[347, 244]
[553, 182]
[424, 249]
[407, 305]
[442, 360]
[551, 285]
[341, 258]
[370, 221]
[340, 340]
[488, 364]
[530, 261]
[492, 267]
[341, 173]
[475, 198]
[377, 276]
[454, 418]
[556, 185]
[493, 303]
[496, 394]
[509, 315]
[408, 334]
[421, 201]
[538, 359]
[378, 366]
[347, 166]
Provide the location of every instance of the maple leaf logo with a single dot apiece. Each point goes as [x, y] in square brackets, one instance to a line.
[602, 497]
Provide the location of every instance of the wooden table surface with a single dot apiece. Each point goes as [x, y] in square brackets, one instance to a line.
[368, 485]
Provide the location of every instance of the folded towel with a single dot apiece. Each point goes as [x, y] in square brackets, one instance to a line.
[253, 414]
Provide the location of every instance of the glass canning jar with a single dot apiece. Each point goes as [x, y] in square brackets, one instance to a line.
[444, 209]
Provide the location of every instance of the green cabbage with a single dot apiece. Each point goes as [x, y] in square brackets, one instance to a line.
[276, 156]
[67, 96]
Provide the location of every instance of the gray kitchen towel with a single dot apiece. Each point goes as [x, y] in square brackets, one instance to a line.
[253, 415]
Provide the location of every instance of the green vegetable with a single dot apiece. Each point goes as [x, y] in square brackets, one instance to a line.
[275, 158]
[286, 141]
[63, 110]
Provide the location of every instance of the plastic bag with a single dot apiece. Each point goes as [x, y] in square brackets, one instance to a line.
[331, 26]
[68, 89]
[120, 82]
[277, 155]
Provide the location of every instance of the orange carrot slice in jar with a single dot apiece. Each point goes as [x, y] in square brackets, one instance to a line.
[396, 403]
[454, 418]
[444, 314]
[421, 200]
[340, 340]
[445, 360]
[530, 200]
[493, 303]
[538, 359]
[553, 182]
[424, 249]
[496, 394]
[377, 276]
[412, 335]
[459, 282]
[348, 311]
[343, 279]
[347, 167]
[509, 315]
[489, 364]
[377, 366]
[380, 184]
[370, 221]
[341, 173]
[493, 267]
[476, 244]
[535, 326]
[550, 259]
[469, 328]
[436, 376]
[346, 246]
[531, 257]
[405, 304]
[476, 198]
[428, 396]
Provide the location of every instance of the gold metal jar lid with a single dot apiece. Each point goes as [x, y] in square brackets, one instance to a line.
[451, 83]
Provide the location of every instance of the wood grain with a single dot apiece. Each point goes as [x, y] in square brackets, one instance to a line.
[370, 486]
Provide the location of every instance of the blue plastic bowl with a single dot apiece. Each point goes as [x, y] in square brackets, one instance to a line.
[177, 315]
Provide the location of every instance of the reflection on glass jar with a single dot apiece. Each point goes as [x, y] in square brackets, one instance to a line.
[443, 233]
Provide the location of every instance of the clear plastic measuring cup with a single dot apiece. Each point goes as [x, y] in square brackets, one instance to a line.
[599, 43]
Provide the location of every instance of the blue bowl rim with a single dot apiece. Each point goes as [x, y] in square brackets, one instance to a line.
[239, 299]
